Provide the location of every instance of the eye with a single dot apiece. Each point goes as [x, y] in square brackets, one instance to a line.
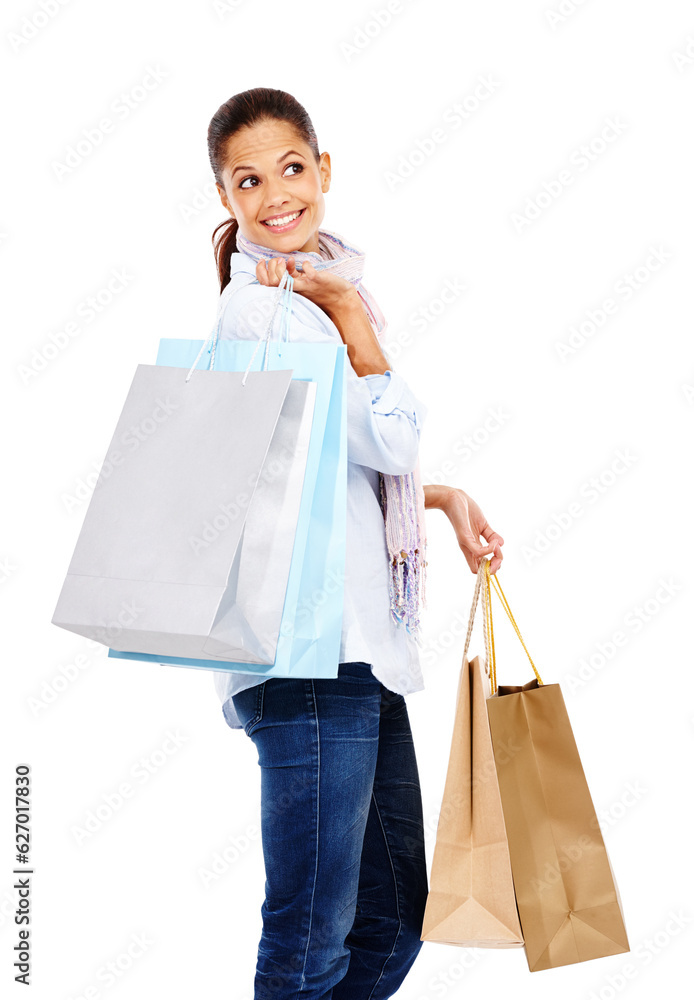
[252, 177]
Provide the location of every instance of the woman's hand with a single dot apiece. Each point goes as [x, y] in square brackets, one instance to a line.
[326, 289]
[468, 523]
[341, 302]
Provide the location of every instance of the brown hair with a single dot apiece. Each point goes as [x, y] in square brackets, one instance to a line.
[241, 111]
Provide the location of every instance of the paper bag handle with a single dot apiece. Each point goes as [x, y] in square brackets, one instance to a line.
[286, 285]
[479, 582]
[488, 616]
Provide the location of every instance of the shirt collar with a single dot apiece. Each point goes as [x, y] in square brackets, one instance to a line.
[242, 262]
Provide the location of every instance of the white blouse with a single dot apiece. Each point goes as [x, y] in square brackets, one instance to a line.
[384, 422]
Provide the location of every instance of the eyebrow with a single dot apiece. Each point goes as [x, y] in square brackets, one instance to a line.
[283, 157]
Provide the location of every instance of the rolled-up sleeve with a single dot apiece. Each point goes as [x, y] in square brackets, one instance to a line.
[384, 422]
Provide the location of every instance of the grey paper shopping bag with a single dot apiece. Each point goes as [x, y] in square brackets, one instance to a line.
[186, 546]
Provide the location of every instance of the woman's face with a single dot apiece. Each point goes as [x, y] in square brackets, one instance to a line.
[271, 174]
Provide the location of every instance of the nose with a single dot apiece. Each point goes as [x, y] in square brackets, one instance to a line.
[277, 194]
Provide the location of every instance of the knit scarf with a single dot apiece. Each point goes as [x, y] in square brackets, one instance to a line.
[401, 497]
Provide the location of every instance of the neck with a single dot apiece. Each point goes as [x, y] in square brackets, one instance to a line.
[310, 246]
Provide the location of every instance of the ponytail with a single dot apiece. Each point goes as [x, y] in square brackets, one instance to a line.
[224, 245]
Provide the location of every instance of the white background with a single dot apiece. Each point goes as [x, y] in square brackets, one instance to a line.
[141, 201]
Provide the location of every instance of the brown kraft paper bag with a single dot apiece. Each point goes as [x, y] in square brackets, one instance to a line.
[471, 901]
[568, 901]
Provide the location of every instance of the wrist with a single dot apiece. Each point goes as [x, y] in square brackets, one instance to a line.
[438, 496]
[346, 304]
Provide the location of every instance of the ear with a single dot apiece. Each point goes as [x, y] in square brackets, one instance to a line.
[224, 199]
[324, 168]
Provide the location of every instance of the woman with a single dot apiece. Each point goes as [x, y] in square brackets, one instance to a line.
[341, 809]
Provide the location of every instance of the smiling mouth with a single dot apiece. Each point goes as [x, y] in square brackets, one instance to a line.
[282, 222]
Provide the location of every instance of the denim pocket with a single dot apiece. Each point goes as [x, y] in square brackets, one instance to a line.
[249, 706]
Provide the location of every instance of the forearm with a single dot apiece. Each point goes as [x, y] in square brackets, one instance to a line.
[363, 349]
[436, 496]
[469, 524]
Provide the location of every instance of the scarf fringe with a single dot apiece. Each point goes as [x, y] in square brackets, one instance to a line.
[407, 575]
[407, 589]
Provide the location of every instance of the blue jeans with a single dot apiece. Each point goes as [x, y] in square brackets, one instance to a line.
[342, 834]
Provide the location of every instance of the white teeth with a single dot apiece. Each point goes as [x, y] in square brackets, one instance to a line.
[283, 221]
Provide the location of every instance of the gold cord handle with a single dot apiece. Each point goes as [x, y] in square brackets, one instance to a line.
[504, 603]
[489, 627]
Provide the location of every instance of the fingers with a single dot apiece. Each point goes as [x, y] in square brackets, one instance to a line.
[496, 560]
[493, 537]
[307, 271]
[474, 551]
[476, 548]
[498, 556]
[269, 272]
[275, 269]
[495, 542]
[471, 562]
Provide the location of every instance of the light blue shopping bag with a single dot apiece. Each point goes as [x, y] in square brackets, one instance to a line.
[311, 630]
